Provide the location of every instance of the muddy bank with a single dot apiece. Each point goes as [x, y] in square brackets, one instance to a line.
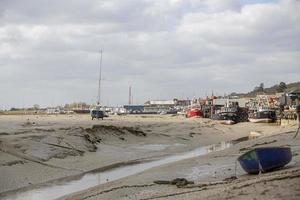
[37, 149]
[41, 145]
[99, 133]
[213, 176]
[56, 189]
[37, 155]
[54, 147]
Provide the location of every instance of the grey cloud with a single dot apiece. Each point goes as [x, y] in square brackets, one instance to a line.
[50, 54]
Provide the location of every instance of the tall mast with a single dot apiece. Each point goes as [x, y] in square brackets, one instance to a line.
[129, 101]
[99, 86]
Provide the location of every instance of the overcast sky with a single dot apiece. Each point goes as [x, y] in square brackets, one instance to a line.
[49, 49]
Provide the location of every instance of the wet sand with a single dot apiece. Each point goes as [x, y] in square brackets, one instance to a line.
[38, 149]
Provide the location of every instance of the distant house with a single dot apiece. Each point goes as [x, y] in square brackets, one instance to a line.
[290, 98]
[184, 102]
[134, 108]
[55, 110]
[295, 94]
[227, 102]
[52, 111]
[155, 106]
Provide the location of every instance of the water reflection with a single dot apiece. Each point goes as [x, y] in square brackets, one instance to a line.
[58, 189]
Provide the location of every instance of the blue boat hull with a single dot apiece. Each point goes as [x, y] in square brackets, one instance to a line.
[265, 159]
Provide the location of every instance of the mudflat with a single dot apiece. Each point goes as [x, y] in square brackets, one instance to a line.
[37, 149]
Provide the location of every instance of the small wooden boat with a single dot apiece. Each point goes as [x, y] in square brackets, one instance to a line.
[265, 159]
[194, 112]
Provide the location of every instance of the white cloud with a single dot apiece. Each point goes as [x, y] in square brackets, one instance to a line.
[50, 49]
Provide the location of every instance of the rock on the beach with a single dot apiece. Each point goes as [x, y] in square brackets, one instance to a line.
[254, 134]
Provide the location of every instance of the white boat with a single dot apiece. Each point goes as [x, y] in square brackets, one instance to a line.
[99, 112]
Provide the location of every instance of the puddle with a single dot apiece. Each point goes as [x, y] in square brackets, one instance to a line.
[58, 189]
[152, 147]
[155, 147]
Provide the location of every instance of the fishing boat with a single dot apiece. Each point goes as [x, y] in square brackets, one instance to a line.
[226, 118]
[265, 159]
[194, 112]
[262, 116]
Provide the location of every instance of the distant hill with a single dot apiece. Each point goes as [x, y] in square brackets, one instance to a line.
[271, 90]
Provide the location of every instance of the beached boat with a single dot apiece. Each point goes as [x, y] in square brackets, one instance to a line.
[262, 116]
[98, 114]
[264, 120]
[194, 112]
[265, 159]
[99, 111]
[226, 118]
[226, 115]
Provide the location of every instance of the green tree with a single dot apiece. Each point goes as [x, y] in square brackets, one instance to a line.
[259, 88]
[282, 87]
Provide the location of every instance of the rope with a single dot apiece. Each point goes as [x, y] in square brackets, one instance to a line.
[298, 116]
[297, 131]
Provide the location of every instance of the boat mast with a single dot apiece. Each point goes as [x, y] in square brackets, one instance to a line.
[99, 86]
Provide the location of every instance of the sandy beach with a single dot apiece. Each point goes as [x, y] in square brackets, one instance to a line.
[149, 99]
[39, 149]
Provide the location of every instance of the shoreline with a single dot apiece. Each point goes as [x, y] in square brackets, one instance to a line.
[163, 130]
[205, 186]
[132, 163]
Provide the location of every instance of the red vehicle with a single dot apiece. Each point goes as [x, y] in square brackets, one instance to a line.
[194, 112]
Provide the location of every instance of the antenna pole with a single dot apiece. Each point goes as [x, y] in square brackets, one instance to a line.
[129, 100]
[99, 86]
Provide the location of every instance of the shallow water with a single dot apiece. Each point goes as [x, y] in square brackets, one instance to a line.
[155, 147]
[58, 189]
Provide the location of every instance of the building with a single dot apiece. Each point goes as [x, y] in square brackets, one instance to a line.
[226, 102]
[292, 98]
[134, 108]
[182, 103]
[156, 106]
[289, 102]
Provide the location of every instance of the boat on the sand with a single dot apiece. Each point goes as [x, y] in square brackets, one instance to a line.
[194, 112]
[262, 116]
[226, 118]
[265, 159]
